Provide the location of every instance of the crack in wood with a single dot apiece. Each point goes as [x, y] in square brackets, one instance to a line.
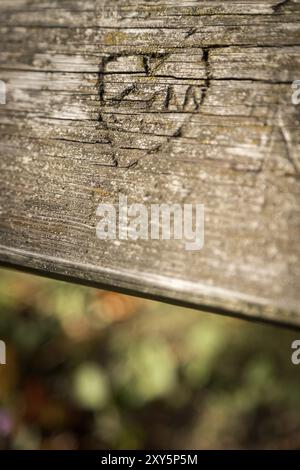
[278, 6]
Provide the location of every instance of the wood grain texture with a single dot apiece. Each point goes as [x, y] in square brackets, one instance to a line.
[163, 101]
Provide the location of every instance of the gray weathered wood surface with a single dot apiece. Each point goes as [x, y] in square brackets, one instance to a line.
[163, 101]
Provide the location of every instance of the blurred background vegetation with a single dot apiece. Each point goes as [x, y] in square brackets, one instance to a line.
[88, 369]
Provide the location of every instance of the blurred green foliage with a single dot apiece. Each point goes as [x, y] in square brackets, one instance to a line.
[88, 369]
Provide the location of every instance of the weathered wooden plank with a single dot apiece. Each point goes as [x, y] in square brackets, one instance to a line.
[164, 102]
